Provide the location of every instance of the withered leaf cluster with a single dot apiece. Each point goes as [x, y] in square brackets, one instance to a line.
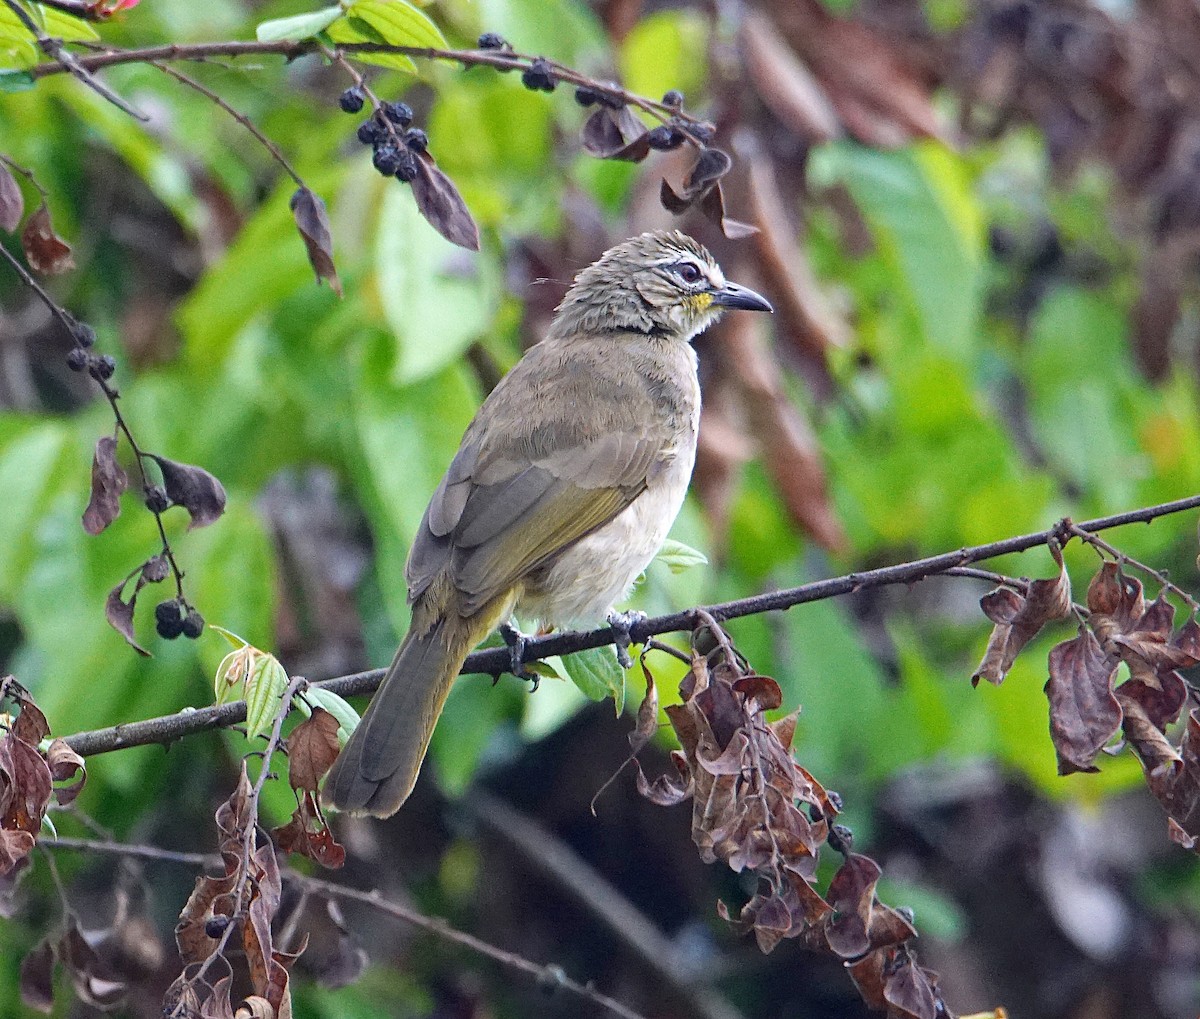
[756, 809]
[1088, 707]
[29, 777]
[238, 908]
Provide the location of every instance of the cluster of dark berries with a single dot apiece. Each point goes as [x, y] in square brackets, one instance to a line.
[394, 144]
[538, 77]
[175, 618]
[585, 96]
[100, 366]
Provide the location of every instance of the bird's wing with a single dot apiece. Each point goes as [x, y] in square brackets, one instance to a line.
[502, 512]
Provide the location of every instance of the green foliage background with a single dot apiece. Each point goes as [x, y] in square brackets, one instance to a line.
[273, 372]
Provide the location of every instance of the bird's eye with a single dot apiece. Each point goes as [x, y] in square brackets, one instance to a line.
[689, 272]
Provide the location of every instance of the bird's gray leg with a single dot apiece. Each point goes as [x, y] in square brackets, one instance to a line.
[621, 623]
[516, 641]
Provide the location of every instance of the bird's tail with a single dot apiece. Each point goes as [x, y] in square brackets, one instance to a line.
[378, 767]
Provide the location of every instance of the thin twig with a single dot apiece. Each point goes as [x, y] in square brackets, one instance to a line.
[550, 976]
[496, 661]
[241, 118]
[1103, 546]
[27, 173]
[131, 850]
[65, 60]
[112, 395]
[501, 60]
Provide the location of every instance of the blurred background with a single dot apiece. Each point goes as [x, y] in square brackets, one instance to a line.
[979, 224]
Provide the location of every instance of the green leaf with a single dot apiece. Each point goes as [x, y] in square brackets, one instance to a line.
[15, 81]
[60, 25]
[298, 26]
[435, 308]
[234, 640]
[398, 22]
[267, 684]
[598, 674]
[678, 557]
[927, 225]
[355, 30]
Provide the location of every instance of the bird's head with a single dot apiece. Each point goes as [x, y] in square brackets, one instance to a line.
[662, 283]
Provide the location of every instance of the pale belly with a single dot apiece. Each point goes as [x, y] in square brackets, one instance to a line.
[598, 571]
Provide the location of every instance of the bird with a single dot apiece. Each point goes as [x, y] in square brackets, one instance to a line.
[563, 489]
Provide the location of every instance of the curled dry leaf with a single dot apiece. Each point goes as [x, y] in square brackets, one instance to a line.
[616, 134]
[109, 480]
[1019, 618]
[312, 748]
[307, 834]
[94, 983]
[65, 766]
[702, 186]
[46, 251]
[440, 203]
[1084, 713]
[193, 488]
[119, 614]
[12, 202]
[308, 210]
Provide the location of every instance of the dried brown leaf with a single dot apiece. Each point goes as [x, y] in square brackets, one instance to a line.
[1025, 615]
[12, 202]
[851, 894]
[616, 134]
[30, 726]
[1084, 712]
[308, 210]
[307, 834]
[910, 993]
[46, 251]
[440, 203]
[193, 488]
[25, 786]
[119, 614]
[64, 765]
[312, 748]
[93, 982]
[109, 480]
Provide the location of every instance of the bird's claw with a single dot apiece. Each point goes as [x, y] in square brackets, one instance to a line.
[621, 623]
[517, 642]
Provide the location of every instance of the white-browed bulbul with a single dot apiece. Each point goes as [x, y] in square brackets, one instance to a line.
[561, 493]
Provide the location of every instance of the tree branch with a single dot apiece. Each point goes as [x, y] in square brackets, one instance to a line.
[497, 661]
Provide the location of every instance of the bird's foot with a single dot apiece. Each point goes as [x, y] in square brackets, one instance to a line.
[621, 623]
[517, 641]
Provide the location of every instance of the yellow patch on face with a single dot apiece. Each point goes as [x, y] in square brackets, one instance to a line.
[697, 303]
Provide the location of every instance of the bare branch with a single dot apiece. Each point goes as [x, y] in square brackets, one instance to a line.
[497, 661]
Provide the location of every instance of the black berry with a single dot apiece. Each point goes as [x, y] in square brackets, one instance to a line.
[416, 139]
[155, 570]
[156, 499]
[538, 77]
[386, 159]
[83, 334]
[663, 138]
[613, 102]
[841, 839]
[371, 131]
[215, 926]
[193, 625]
[103, 366]
[493, 41]
[673, 99]
[351, 101]
[406, 170]
[399, 114]
[169, 618]
[585, 96]
[704, 133]
[77, 359]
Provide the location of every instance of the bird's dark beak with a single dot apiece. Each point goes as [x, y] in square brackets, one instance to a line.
[742, 298]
